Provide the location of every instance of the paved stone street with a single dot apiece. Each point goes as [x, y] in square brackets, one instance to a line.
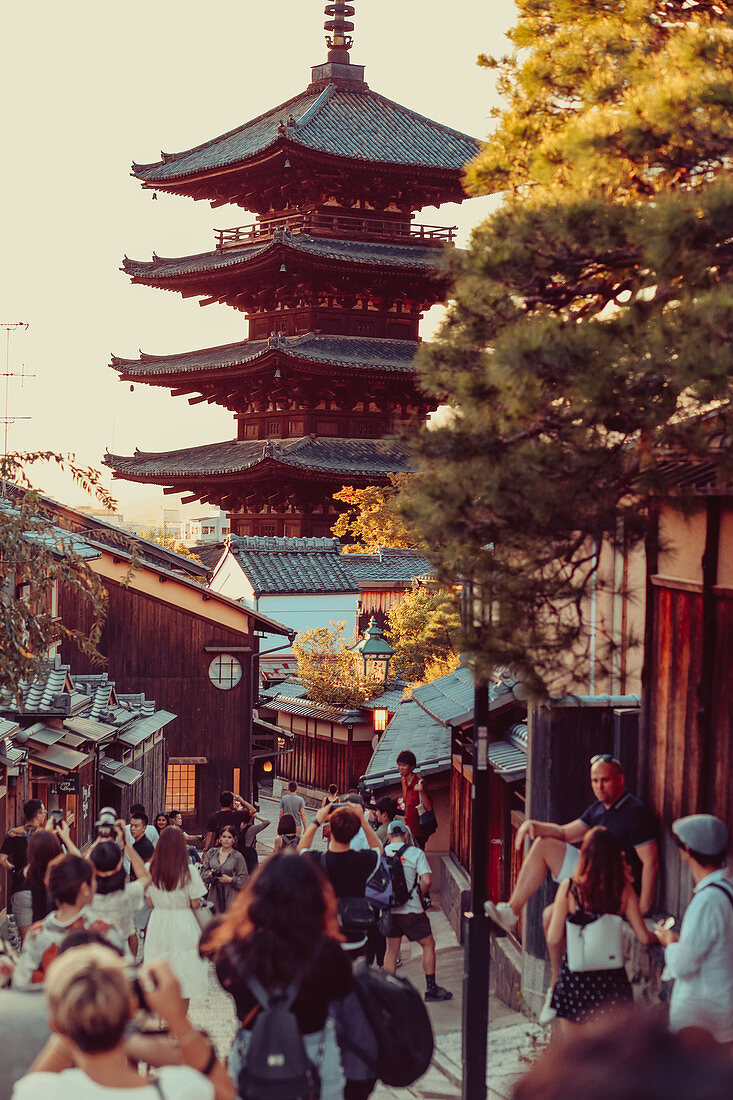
[513, 1040]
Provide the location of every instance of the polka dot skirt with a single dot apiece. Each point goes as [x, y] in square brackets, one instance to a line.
[590, 994]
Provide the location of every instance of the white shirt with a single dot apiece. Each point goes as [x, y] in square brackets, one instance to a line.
[414, 863]
[702, 961]
[359, 842]
[118, 908]
[176, 1083]
[150, 832]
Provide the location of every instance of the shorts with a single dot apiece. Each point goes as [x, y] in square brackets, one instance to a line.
[414, 926]
[569, 864]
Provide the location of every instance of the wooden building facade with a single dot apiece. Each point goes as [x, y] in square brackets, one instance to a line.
[689, 692]
[196, 653]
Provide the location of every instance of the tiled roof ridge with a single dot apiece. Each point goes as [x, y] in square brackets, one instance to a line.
[167, 158]
[264, 543]
[309, 347]
[311, 113]
[149, 357]
[404, 255]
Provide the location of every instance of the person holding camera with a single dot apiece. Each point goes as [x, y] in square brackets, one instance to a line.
[31, 901]
[115, 900]
[71, 885]
[92, 1000]
[14, 848]
[224, 871]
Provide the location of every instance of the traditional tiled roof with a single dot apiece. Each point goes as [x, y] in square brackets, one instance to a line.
[60, 542]
[387, 565]
[363, 253]
[357, 125]
[209, 554]
[291, 698]
[411, 728]
[333, 457]
[288, 565]
[448, 698]
[352, 352]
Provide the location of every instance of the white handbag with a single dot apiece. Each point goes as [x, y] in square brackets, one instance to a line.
[594, 943]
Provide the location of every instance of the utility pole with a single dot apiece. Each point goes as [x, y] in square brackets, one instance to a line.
[7, 420]
[476, 925]
[477, 959]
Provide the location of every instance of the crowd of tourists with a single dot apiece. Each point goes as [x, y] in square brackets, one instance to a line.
[122, 937]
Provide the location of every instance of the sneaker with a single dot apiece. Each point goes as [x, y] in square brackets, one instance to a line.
[548, 1013]
[501, 914]
[437, 993]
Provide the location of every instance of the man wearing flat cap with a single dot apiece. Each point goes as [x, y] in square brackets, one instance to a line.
[700, 958]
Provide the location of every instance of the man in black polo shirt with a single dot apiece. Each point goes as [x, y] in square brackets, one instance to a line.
[13, 853]
[553, 850]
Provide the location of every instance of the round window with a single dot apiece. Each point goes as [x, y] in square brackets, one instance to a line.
[225, 671]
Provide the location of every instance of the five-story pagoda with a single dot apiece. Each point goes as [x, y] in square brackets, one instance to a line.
[334, 276]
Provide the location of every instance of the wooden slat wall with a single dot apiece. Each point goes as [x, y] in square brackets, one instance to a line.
[674, 743]
[316, 761]
[723, 710]
[158, 649]
[460, 816]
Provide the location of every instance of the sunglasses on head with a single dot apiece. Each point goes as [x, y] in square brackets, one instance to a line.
[605, 758]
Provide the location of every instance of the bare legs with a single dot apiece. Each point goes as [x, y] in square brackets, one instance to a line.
[393, 947]
[554, 950]
[546, 854]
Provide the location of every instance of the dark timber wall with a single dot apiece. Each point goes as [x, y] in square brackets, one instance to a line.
[159, 649]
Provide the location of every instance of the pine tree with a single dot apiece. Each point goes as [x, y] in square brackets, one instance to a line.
[591, 329]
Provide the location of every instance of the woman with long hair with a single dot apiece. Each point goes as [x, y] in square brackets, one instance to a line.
[161, 821]
[224, 870]
[287, 834]
[32, 902]
[174, 890]
[600, 886]
[91, 1002]
[280, 932]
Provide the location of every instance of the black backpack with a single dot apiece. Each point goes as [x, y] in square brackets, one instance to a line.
[399, 1023]
[277, 1066]
[400, 894]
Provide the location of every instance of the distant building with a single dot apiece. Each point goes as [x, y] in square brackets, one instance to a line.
[308, 583]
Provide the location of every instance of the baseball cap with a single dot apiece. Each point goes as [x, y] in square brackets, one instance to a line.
[397, 826]
[702, 833]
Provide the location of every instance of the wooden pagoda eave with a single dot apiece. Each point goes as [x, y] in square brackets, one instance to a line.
[184, 382]
[253, 175]
[266, 470]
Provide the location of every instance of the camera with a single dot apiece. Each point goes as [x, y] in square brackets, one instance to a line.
[104, 826]
[133, 975]
[57, 816]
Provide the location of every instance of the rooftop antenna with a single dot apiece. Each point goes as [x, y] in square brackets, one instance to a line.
[6, 419]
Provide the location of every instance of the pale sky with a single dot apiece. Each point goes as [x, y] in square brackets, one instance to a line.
[89, 87]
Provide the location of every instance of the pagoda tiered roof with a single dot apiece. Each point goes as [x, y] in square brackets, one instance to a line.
[366, 253]
[332, 458]
[352, 124]
[352, 353]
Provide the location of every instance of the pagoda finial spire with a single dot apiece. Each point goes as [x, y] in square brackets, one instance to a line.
[339, 42]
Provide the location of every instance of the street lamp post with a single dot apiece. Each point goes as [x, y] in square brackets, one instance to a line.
[375, 651]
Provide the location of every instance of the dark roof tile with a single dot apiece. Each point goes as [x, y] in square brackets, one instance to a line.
[356, 125]
[340, 457]
[287, 565]
[365, 253]
[353, 352]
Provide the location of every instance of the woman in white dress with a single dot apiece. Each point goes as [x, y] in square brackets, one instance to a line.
[174, 890]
